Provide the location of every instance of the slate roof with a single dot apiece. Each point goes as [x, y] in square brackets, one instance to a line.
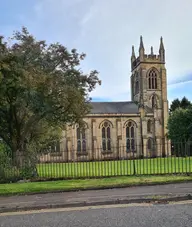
[114, 108]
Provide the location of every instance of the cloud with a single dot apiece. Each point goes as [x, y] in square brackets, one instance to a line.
[181, 80]
[179, 91]
[106, 30]
[88, 16]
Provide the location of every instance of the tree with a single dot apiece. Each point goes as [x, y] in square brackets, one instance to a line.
[174, 105]
[42, 88]
[184, 103]
[180, 128]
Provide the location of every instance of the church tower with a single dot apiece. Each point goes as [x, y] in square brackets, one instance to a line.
[149, 91]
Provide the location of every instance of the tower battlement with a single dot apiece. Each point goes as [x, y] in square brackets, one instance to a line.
[147, 58]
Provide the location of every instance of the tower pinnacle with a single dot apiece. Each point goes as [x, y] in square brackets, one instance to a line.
[152, 50]
[141, 49]
[162, 50]
[133, 52]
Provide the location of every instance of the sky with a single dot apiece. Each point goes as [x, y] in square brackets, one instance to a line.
[106, 30]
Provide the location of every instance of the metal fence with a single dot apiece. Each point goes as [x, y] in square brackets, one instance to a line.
[117, 161]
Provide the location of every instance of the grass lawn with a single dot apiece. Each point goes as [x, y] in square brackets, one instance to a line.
[67, 185]
[116, 168]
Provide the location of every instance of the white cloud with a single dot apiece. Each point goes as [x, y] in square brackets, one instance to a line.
[106, 30]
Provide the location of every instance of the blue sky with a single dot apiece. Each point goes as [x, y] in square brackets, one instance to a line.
[105, 30]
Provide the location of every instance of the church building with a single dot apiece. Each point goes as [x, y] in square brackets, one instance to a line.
[122, 130]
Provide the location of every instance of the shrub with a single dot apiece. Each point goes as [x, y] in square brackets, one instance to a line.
[5, 162]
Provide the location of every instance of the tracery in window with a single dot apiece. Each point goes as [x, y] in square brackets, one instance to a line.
[106, 136]
[81, 139]
[130, 136]
[152, 79]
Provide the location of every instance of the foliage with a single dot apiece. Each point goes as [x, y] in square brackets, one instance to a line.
[180, 128]
[175, 105]
[177, 122]
[5, 161]
[183, 103]
[42, 89]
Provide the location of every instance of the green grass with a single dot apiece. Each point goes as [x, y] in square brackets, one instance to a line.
[116, 168]
[67, 185]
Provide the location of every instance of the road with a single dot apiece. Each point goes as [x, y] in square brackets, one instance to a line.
[135, 215]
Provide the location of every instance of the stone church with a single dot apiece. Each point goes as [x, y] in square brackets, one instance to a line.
[120, 130]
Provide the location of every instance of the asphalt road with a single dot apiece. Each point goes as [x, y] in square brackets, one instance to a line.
[144, 215]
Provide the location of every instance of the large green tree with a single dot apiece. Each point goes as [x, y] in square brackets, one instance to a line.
[184, 103]
[180, 129]
[42, 88]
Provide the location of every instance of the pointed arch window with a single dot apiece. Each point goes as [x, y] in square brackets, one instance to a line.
[130, 137]
[149, 126]
[55, 147]
[151, 144]
[136, 83]
[137, 87]
[152, 79]
[154, 101]
[132, 86]
[106, 136]
[81, 139]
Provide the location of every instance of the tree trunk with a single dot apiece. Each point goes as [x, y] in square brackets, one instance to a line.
[18, 159]
[24, 159]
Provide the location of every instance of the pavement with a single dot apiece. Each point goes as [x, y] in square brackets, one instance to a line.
[138, 194]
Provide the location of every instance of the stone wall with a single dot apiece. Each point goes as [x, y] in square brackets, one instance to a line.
[94, 138]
